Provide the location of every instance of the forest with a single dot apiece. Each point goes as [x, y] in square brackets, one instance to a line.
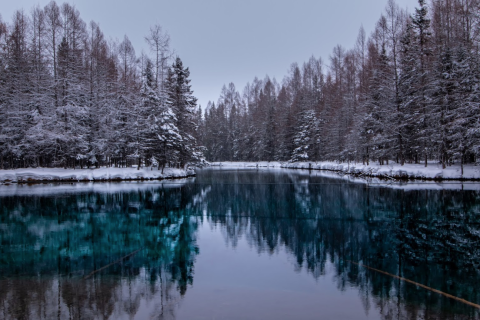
[71, 98]
[409, 92]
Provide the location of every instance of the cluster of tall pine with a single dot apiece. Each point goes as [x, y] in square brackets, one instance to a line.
[71, 98]
[410, 92]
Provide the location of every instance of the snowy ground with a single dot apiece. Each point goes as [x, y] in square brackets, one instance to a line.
[434, 171]
[261, 164]
[101, 174]
[392, 171]
[373, 182]
[53, 188]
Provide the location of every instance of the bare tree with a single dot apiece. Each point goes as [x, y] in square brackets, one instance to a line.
[127, 60]
[159, 42]
[395, 20]
[54, 27]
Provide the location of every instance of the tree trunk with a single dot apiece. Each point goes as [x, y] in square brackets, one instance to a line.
[461, 163]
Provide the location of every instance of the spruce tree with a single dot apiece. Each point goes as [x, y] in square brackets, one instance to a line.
[405, 125]
[423, 52]
[306, 137]
[166, 129]
[180, 99]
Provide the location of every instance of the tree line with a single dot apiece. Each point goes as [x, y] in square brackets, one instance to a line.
[409, 92]
[71, 98]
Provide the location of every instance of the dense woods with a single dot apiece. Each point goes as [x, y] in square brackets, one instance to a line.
[70, 98]
[407, 93]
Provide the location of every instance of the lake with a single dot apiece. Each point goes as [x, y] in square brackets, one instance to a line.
[240, 244]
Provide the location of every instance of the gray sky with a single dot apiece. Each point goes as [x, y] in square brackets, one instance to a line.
[224, 41]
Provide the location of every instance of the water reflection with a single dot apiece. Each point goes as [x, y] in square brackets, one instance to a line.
[51, 242]
[429, 236]
[50, 245]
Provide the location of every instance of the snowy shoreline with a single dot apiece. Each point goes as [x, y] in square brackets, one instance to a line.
[392, 171]
[40, 175]
[244, 164]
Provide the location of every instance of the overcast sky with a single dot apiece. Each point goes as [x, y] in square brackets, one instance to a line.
[224, 41]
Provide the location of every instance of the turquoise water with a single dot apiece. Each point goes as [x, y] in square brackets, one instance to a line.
[238, 244]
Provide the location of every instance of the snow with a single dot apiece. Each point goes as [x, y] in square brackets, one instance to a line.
[394, 171]
[409, 185]
[47, 189]
[419, 178]
[260, 164]
[101, 174]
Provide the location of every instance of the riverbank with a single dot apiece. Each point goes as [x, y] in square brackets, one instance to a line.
[244, 164]
[394, 171]
[33, 175]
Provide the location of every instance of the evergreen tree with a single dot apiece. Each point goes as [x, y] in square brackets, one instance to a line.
[167, 132]
[380, 106]
[405, 125]
[150, 115]
[306, 137]
[422, 50]
[180, 99]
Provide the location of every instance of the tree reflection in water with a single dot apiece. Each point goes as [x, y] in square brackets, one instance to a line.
[49, 243]
[429, 236]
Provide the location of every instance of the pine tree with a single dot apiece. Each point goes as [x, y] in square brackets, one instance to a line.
[306, 137]
[462, 114]
[285, 118]
[422, 49]
[443, 103]
[149, 117]
[167, 131]
[180, 99]
[380, 107]
[405, 125]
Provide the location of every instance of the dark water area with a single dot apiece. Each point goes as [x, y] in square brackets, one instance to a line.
[238, 244]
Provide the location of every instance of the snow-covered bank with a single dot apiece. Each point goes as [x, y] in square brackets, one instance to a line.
[260, 164]
[102, 174]
[407, 185]
[434, 171]
[413, 177]
[393, 170]
[53, 188]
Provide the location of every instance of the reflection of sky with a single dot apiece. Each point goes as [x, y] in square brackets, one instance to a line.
[240, 283]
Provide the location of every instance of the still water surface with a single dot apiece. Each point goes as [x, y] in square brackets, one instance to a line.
[238, 244]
